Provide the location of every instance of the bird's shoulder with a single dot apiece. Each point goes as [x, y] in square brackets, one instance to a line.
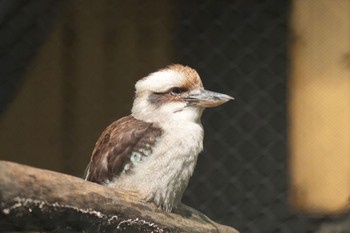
[120, 145]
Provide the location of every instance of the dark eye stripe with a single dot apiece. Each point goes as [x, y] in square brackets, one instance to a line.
[176, 90]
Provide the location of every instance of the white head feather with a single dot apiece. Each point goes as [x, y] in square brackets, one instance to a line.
[169, 111]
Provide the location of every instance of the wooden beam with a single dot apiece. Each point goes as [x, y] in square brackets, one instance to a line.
[320, 106]
[34, 199]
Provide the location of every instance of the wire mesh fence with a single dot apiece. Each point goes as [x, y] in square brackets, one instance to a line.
[238, 47]
[242, 175]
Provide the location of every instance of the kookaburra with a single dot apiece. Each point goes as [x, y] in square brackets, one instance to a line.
[154, 150]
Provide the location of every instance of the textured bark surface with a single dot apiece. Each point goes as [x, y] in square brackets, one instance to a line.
[34, 199]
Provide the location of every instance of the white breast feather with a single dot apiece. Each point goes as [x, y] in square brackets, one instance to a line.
[163, 176]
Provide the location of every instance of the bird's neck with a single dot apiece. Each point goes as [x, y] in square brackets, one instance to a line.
[167, 116]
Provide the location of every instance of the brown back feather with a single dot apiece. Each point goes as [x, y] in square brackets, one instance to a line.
[116, 144]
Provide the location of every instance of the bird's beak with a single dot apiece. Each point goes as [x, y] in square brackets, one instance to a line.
[206, 99]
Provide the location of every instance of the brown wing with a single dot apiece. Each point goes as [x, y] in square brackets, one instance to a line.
[122, 139]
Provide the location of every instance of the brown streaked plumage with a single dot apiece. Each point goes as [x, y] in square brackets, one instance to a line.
[117, 143]
[193, 80]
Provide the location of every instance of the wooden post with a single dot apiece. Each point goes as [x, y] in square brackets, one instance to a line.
[320, 106]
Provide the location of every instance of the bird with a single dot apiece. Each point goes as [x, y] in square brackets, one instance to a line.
[154, 150]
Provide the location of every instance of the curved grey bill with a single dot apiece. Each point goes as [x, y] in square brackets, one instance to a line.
[206, 99]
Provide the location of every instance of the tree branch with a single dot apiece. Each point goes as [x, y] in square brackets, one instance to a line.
[34, 199]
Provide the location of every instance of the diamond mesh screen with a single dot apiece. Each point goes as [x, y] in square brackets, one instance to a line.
[241, 49]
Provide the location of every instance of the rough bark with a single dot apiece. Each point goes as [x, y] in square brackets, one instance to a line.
[34, 199]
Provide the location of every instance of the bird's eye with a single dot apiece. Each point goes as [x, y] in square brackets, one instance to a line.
[176, 90]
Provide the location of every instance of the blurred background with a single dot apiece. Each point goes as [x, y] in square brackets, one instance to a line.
[68, 69]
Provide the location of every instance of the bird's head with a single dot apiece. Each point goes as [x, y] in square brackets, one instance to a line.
[172, 94]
